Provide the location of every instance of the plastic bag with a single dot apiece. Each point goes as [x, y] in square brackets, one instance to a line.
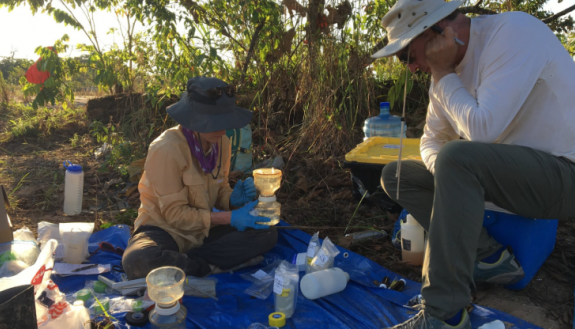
[205, 285]
[286, 288]
[48, 231]
[313, 247]
[73, 317]
[24, 234]
[26, 251]
[262, 279]
[12, 267]
[123, 304]
[324, 258]
[52, 309]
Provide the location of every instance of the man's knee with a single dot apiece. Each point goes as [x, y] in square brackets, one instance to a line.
[456, 153]
[388, 178]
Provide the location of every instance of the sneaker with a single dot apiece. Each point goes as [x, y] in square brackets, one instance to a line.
[506, 270]
[423, 320]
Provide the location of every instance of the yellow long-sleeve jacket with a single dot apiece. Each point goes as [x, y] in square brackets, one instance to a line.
[176, 194]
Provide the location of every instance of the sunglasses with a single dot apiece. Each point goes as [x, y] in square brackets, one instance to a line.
[216, 92]
[403, 57]
[106, 246]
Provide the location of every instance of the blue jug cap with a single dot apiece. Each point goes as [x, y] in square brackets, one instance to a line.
[72, 167]
[383, 104]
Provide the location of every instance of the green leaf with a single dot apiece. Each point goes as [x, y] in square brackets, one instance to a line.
[50, 82]
[213, 52]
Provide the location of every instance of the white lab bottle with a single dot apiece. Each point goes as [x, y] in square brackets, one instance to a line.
[412, 241]
[73, 189]
[323, 283]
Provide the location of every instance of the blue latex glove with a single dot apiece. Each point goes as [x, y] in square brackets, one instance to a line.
[250, 189]
[241, 218]
[244, 192]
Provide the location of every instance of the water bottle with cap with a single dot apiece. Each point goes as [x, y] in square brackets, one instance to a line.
[73, 188]
[385, 124]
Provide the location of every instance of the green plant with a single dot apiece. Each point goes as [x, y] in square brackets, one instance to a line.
[11, 196]
[74, 140]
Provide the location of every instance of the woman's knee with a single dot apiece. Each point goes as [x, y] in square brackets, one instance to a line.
[269, 238]
[457, 153]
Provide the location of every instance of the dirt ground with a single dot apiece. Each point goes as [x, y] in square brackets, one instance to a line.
[315, 193]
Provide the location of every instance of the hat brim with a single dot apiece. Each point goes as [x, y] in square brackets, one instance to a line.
[402, 41]
[181, 112]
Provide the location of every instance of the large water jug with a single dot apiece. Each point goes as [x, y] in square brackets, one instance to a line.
[73, 188]
[385, 124]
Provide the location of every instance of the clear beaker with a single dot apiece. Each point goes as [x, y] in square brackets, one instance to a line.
[267, 180]
[166, 285]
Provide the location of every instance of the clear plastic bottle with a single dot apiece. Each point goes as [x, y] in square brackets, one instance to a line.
[285, 302]
[73, 189]
[169, 318]
[269, 207]
[323, 283]
[385, 124]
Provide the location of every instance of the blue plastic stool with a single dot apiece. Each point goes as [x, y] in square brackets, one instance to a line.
[532, 239]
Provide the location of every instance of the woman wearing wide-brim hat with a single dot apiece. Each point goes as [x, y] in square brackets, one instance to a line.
[185, 178]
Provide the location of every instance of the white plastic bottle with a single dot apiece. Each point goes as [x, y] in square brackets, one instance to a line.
[323, 283]
[412, 242]
[73, 189]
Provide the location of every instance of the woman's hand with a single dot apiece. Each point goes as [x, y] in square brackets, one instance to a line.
[241, 218]
[244, 192]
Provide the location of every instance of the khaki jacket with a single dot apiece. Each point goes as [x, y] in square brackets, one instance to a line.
[176, 194]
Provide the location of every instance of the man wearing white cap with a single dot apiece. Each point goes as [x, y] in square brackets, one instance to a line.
[506, 86]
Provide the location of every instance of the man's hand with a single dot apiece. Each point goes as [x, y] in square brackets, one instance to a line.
[440, 52]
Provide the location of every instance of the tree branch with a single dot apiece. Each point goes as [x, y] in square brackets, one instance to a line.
[253, 43]
[476, 10]
[559, 14]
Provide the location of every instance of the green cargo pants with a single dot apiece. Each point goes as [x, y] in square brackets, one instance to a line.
[450, 207]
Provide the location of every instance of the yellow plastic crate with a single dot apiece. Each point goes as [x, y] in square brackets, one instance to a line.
[383, 150]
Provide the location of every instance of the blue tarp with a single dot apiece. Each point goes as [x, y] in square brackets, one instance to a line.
[360, 305]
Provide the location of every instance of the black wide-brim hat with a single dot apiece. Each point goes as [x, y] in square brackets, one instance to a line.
[203, 114]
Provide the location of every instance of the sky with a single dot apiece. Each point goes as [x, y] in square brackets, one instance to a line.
[22, 32]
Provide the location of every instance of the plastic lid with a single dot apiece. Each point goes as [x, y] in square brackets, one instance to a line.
[167, 311]
[267, 198]
[72, 167]
[383, 104]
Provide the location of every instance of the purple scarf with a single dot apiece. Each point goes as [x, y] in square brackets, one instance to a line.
[207, 163]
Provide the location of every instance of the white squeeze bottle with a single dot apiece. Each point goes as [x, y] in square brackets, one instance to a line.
[73, 188]
[412, 242]
[323, 283]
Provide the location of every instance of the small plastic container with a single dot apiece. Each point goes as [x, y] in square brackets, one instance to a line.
[75, 240]
[385, 124]
[73, 188]
[166, 285]
[323, 283]
[269, 207]
[83, 295]
[412, 241]
[267, 181]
